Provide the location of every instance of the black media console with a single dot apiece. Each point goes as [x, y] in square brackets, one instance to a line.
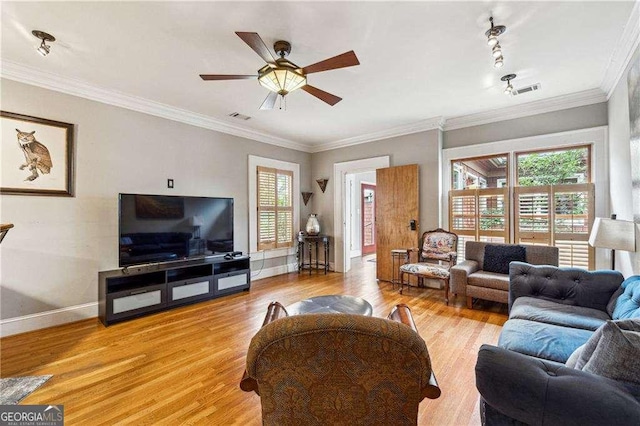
[140, 290]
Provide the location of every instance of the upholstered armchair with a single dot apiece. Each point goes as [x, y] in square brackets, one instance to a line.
[437, 253]
[321, 369]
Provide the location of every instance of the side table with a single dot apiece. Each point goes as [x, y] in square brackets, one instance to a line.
[398, 258]
[312, 241]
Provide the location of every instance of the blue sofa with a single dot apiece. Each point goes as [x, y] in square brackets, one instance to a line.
[555, 314]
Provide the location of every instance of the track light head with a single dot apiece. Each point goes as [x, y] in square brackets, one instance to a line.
[43, 49]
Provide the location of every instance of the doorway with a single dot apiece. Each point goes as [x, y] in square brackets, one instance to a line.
[342, 234]
[368, 218]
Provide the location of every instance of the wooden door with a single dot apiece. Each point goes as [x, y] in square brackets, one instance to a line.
[368, 216]
[397, 206]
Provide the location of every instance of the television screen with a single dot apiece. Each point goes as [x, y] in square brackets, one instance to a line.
[160, 228]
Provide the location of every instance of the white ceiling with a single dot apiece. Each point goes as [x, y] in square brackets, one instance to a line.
[419, 60]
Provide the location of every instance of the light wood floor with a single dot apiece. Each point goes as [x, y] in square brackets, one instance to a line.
[183, 366]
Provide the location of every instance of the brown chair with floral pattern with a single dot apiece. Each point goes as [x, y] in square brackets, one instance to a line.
[438, 252]
[329, 369]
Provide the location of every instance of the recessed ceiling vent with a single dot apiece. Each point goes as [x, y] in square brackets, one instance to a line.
[523, 90]
[239, 116]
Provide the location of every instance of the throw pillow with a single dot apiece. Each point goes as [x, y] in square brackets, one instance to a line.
[613, 351]
[498, 257]
[627, 304]
[572, 361]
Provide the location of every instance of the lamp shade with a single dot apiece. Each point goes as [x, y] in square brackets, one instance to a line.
[196, 221]
[613, 234]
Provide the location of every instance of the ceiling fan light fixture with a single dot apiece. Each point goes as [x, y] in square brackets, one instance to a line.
[282, 79]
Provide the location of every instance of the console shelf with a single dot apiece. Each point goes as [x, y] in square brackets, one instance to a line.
[136, 291]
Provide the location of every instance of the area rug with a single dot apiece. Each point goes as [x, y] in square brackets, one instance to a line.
[15, 389]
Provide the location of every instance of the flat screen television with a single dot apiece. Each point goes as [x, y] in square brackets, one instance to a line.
[161, 228]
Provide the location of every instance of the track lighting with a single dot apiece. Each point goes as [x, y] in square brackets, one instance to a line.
[496, 51]
[509, 89]
[43, 49]
[492, 40]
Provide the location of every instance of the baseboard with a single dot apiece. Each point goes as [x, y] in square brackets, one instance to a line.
[46, 319]
[272, 272]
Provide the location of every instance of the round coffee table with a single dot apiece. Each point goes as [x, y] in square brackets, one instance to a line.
[331, 304]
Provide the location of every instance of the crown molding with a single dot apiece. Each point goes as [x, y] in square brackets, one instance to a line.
[407, 129]
[623, 52]
[571, 100]
[35, 77]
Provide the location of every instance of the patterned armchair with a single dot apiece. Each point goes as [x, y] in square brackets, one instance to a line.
[438, 252]
[329, 369]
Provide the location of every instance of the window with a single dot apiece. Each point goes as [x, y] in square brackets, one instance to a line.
[275, 208]
[553, 201]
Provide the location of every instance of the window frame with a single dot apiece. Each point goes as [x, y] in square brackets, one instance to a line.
[254, 162]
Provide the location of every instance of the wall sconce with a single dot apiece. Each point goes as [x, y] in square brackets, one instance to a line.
[322, 183]
[44, 48]
[306, 196]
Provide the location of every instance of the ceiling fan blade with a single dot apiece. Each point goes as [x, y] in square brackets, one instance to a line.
[255, 42]
[322, 95]
[269, 101]
[347, 59]
[226, 77]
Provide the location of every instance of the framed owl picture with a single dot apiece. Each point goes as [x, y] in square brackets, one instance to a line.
[36, 156]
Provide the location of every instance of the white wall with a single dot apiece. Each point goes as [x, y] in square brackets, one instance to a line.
[620, 166]
[50, 260]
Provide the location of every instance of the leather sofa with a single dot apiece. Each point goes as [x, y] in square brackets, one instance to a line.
[534, 375]
[472, 278]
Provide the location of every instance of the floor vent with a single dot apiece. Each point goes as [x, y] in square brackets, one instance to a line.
[239, 116]
[523, 90]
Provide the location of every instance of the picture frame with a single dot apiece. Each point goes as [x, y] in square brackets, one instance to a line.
[36, 156]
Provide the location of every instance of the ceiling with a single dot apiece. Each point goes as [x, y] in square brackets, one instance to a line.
[420, 61]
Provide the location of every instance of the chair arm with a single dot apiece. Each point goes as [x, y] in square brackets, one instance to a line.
[402, 313]
[539, 392]
[460, 273]
[274, 311]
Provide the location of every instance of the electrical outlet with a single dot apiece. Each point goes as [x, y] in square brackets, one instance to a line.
[169, 183]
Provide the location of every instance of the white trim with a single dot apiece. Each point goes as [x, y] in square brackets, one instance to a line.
[273, 271]
[340, 170]
[254, 162]
[596, 136]
[623, 52]
[35, 77]
[572, 100]
[407, 129]
[47, 319]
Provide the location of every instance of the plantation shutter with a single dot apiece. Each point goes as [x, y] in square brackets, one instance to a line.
[479, 215]
[275, 208]
[557, 215]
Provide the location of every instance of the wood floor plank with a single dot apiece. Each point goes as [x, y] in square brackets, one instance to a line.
[183, 366]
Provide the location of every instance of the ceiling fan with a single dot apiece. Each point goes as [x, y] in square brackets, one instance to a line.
[282, 76]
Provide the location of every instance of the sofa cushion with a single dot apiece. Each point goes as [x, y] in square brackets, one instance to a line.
[613, 351]
[498, 257]
[489, 280]
[548, 341]
[627, 304]
[541, 310]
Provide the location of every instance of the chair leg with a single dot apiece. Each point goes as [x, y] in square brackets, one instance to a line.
[401, 281]
[446, 291]
[469, 302]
